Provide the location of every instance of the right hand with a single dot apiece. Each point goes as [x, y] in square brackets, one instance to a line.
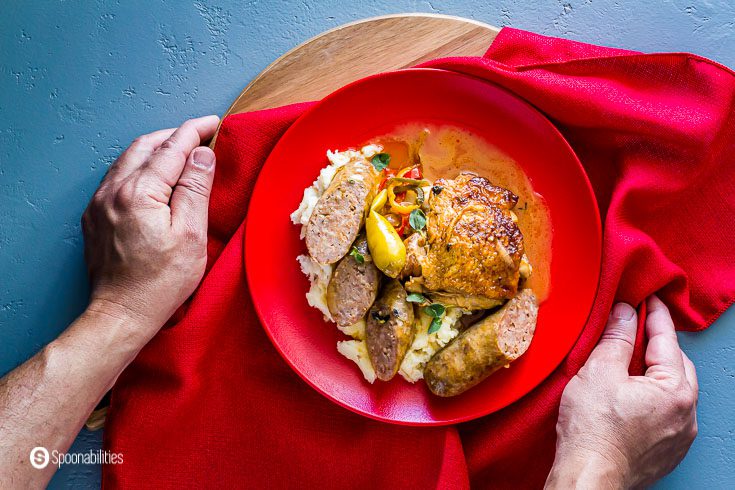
[621, 431]
[145, 230]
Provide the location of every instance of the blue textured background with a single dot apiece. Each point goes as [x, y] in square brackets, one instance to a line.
[80, 79]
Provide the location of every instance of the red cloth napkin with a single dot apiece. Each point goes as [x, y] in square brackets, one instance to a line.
[210, 403]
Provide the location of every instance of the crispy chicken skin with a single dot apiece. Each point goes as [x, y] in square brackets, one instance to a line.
[475, 247]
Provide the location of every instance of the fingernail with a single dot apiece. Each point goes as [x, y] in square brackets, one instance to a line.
[203, 158]
[622, 311]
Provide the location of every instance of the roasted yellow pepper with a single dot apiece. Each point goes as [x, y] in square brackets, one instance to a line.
[386, 247]
[379, 201]
[397, 207]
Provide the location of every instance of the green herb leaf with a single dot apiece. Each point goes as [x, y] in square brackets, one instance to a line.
[380, 161]
[417, 219]
[435, 310]
[416, 298]
[436, 324]
[359, 258]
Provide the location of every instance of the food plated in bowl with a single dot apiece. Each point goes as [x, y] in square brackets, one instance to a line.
[428, 276]
[409, 101]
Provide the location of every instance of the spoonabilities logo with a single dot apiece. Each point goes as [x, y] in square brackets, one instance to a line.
[39, 457]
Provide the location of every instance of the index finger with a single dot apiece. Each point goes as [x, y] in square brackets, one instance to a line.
[137, 153]
[663, 346]
[168, 160]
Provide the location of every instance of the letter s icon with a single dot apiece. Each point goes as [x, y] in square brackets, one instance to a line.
[39, 457]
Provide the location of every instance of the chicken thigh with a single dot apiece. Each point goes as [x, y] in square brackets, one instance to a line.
[474, 256]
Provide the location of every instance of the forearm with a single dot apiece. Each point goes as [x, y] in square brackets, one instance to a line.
[46, 400]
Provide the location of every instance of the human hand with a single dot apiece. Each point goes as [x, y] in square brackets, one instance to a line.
[145, 229]
[621, 431]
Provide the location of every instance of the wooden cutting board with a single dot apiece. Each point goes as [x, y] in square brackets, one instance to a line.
[352, 51]
[347, 53]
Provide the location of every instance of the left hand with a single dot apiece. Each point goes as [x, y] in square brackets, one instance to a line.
[621, 431]
[145, 230]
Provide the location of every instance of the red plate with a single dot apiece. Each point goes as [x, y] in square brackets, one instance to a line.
[375, 106]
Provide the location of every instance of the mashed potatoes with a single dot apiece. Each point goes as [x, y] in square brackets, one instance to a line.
[319, 276]
[356, 331]
[356, 351]
[426, 344]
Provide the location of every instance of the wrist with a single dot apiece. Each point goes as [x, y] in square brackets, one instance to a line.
[123, 323]
[580, 468]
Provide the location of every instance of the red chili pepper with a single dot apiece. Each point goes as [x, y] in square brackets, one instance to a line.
[387, 174]
[404, 222]
[414, 173]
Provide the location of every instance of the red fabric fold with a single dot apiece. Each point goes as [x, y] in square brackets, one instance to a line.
[210, 403]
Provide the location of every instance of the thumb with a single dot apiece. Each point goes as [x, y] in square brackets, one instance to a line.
[616, 344]
[190, 198]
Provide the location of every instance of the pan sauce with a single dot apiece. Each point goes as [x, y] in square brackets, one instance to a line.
[445, 151]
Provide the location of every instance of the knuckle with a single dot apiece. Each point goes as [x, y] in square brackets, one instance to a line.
[126, 195]
[168, 144]
[171, 148]
[196, 184]
[683, 401]
[96, 200]
[618, 334]
[141, 141]
[99, 198]
[188, 125]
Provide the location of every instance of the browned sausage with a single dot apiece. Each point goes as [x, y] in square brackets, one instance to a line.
[353, 286]
[484, 348]
[340, 212]
[389, 331]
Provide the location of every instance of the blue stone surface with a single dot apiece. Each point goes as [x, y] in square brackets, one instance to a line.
[80, 79]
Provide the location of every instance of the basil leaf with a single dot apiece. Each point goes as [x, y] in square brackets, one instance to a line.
[417, 219]
[435, 310]
[380, 161]
[359, 258]
[416, 298]
[436, 324]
